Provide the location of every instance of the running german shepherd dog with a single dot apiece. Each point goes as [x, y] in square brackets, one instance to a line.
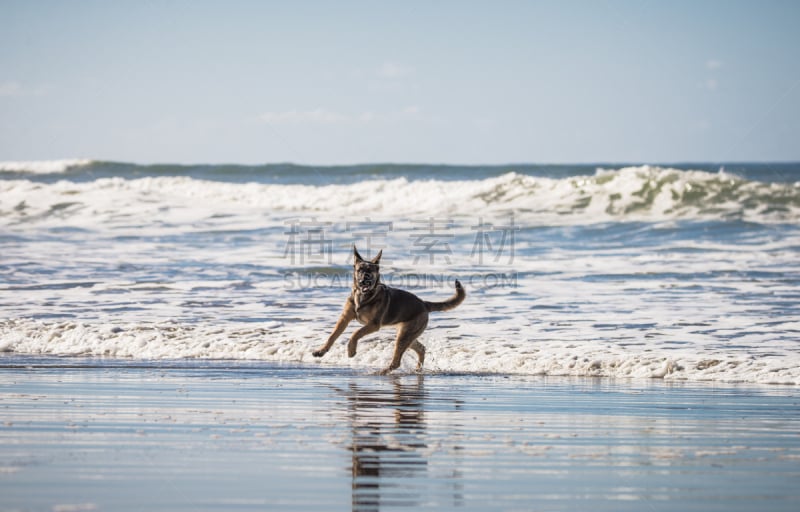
[376, 305]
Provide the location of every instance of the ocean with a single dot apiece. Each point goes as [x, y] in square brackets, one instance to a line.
[678, 272]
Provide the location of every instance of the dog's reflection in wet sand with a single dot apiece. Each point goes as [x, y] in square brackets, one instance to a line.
[388, 440]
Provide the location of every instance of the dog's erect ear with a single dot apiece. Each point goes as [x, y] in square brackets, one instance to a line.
[358, 258]
[377, 259]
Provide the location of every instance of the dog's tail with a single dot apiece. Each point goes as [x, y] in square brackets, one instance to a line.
[450, 303]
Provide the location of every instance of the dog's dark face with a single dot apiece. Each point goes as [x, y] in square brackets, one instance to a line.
[366, 274]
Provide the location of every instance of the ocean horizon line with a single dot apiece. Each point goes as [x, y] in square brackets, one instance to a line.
[298, 163]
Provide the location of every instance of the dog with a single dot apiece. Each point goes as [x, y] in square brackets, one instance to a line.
[376, 305]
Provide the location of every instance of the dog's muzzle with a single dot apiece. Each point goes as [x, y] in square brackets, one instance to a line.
[365, 283]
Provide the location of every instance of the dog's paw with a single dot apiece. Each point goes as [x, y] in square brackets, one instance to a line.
[351, 351]
[319, 353]
[389, 369]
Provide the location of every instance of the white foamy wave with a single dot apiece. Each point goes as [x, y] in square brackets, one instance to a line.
[450, 353]
[43, 166]
[635, 193]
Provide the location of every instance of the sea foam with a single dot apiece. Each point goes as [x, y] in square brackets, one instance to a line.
[449, 350]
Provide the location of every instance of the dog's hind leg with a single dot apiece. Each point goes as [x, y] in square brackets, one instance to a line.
[419, 348]
[407, 334]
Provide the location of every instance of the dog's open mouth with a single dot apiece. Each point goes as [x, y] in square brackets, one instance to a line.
[365, 286]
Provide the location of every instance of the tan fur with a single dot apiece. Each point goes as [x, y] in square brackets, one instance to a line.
[376, 305]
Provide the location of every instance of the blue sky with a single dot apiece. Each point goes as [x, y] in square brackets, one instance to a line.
[436, 82]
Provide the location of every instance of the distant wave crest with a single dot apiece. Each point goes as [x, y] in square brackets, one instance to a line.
[43, 166]
[647, 193]
[642, 193]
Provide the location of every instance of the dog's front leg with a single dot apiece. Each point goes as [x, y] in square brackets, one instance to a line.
[353, 343]
[348, 314]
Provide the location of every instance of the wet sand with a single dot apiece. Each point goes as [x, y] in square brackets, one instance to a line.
[96, 434]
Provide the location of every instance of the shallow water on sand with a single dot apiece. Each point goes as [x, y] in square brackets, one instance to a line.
[89, 434]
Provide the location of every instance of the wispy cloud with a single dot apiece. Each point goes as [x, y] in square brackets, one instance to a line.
[411, 112]
[316, 116]
[14, 89]
[322, 116]
[393, 70]
[10, 89]
[711, 82]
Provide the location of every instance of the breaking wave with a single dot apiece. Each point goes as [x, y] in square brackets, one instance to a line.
[43, 166]
[642, 193]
